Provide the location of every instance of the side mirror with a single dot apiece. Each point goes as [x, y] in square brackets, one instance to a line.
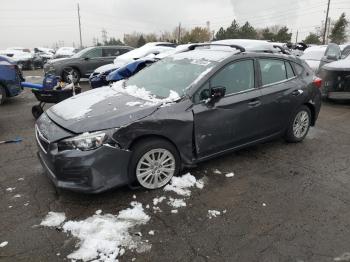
[332, 57]
[217, 93]
[86, 58]
[213, 95]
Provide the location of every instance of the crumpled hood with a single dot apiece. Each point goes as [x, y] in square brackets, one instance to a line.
[99, 109]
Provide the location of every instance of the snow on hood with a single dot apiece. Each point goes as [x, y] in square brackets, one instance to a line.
[106, 107]
[341, 65]
[105, 68]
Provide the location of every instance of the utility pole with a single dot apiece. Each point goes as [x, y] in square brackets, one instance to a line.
[325, 23]
[296, 37]
[329, 29]
[179, 34]
[104, 36]
[81, 41]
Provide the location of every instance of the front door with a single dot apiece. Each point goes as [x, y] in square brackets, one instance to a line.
[233, 120]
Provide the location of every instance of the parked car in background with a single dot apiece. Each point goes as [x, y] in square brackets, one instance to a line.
[10, 78]
[184, 109]
[44, 53]
[98, 77]
[336, 80]
[65, 51]
[24, 58]
[345, 50]
[83, 63]
[317, 56]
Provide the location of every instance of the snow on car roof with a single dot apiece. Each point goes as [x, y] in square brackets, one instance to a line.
[215, 54]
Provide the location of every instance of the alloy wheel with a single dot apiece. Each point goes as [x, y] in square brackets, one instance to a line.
[301, 124]
[155, 168]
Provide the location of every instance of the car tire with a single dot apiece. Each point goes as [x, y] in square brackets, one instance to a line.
[2, 95]
[299, 125]
[37, 111]
[153, 163]
[74, 72]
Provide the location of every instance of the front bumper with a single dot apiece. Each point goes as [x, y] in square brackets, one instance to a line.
[92, 171]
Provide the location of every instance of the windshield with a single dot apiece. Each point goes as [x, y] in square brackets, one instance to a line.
[169, 75]
[313, 54]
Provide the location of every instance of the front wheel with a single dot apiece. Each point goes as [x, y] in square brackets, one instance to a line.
[299, 125]
[154, 162]
[69, 74]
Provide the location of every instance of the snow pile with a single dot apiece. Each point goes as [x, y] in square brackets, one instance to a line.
[104, 237]
[176, 203]
[10, 189]
[217, 171]
[53, 219]
[158, 200]
[182, 185]
[230, 175]
[3, 244]
[213, 213]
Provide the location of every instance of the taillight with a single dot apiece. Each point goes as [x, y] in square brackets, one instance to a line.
[317, 82]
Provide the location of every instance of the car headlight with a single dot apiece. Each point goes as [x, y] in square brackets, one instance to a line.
[83, 142]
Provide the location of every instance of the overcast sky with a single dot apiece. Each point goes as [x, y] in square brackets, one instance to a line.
[33, 23]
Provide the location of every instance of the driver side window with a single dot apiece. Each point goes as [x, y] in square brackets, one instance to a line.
[235, 77]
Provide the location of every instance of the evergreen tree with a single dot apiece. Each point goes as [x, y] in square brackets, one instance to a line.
[312, 38]
[247, 32]
[221, 34]
[338, 34]
[141, 41]
[283, 36]
[233, 31]
[267, 35]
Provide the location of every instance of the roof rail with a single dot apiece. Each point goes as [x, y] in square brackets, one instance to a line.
[238, 47]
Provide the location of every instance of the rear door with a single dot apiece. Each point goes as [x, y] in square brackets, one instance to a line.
[282, 92]
[92, 60]
[233, 120]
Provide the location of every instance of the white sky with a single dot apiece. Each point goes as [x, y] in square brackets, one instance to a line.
[31, 23]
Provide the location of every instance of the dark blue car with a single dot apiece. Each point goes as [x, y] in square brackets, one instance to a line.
[10, 78]
[124, 72]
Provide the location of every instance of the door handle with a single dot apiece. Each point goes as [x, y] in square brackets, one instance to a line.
[297, 92]
[254, 103]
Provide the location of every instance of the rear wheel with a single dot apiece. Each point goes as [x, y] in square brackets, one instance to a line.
[2, 95]
[154, 162]
[70, 71]
[299, 125]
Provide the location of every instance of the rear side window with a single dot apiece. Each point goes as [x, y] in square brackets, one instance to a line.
[333, 50]
[110, 52]
[274, 71]
[94, 53]
[289, 70]
[235, 77]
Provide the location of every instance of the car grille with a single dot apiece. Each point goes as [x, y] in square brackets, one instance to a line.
[42, 141]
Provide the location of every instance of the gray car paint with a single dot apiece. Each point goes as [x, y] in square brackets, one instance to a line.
[199, 131]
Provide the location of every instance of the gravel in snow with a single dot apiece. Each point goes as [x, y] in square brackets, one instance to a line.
[3, 244]
[181, 185]
[53, 219]
[105, 237]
